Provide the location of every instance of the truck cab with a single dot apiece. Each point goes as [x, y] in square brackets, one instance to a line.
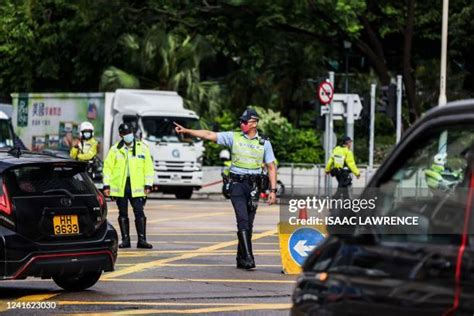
[177, 159]
[7, 134]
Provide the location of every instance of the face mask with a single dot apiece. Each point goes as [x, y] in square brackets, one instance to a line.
[244, 128]
[128, 138]
[87, 135]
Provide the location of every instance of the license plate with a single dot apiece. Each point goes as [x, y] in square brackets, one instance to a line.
[66, 225]
[175, 177]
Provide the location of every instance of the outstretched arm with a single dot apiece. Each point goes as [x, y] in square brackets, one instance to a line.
[204, 134]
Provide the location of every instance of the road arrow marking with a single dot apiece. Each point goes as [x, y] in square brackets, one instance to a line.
[302, 249]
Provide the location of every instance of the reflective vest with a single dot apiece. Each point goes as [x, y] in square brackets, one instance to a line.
[87, 150]
[247, 153]
[341, 157]
[120, 162]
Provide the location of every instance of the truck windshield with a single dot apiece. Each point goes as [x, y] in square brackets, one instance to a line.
[6, 139]
[161, 129]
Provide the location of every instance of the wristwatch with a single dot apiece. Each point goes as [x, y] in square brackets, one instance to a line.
[273, 190]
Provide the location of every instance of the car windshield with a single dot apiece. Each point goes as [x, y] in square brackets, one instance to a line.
[429, 183]
[161, 129]
[47, 179]
[6, 139]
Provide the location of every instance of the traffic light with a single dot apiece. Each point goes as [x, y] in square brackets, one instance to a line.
[389, 100]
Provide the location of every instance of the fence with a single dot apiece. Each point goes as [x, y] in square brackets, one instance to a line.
[294, 176]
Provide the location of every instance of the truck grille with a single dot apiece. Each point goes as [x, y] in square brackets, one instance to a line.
[176, 166]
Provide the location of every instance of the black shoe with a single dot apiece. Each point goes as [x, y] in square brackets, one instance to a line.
[124, 231]
[246, 261]
[140, 225]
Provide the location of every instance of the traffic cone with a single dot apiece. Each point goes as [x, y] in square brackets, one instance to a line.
[303, 213]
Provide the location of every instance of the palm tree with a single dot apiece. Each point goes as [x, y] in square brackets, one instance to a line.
[165, 61]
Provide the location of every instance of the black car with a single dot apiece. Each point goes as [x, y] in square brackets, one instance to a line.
[53, 221]
[425, 269]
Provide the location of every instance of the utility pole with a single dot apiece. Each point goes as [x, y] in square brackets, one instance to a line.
[373, 88]
[399, 107]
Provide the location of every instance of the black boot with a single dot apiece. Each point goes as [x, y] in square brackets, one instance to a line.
[140, 224]
[246, 261]
[125, 231]
[239, 258]
[250, 244]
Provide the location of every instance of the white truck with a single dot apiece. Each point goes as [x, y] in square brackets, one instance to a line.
[49, 121]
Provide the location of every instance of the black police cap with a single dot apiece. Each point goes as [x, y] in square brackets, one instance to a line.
[248, 114]
[124, 128]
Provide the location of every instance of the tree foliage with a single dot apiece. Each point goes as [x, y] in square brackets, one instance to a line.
[222, 56]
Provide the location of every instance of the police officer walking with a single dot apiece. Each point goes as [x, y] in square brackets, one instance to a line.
[340, 165]
[128, 176]
[249, 151]
[85, 148]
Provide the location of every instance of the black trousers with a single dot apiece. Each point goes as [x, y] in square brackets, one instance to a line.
[137, 203]
[344, 182]
[241, 201]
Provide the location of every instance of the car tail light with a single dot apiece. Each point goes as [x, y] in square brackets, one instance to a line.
[100, 199]
[5, 205]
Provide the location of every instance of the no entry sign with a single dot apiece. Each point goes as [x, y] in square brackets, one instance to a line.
[325, 92]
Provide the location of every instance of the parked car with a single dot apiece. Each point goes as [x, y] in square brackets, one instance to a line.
[427, 269]
[53, 221]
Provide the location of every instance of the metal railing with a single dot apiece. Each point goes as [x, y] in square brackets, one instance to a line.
[311, 177]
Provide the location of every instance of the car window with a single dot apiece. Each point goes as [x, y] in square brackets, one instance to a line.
[34, 180]
[161, 129]
[429, 184]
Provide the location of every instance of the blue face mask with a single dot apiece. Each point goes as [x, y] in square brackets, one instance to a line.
[87, 135]
[128, 138]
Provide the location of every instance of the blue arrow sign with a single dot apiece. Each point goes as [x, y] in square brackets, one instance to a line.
[302, 241]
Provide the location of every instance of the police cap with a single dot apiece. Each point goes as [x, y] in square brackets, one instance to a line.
[124, 129]
[248, 114]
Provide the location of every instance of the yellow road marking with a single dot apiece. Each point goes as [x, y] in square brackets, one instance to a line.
[198, 252]
[191, 233]
[158, 252]
[251, 307]
[199, 280]
[178, 265]
[178, 218]
[202, 254]
[138, 303]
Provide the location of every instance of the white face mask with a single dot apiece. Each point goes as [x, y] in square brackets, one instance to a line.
[87, 135]
[128, 138]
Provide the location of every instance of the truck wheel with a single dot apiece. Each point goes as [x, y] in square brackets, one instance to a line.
[184, 193]
[77, 283]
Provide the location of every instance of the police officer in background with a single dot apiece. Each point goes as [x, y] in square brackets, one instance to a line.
[85, 148]
[128, 176]
[249, 150]
[340, 165]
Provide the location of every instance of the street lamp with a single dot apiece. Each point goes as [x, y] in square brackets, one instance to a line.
[347, 47]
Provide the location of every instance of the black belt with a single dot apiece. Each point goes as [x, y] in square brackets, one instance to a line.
[245, 177]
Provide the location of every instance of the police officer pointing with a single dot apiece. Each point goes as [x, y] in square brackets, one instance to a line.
[249, 151]
[128, 176]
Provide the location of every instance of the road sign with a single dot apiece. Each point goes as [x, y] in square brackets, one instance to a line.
[325, 92]
[339, 106]
[302, 241]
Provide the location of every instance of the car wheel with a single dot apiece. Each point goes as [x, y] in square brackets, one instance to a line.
[77, 283]
[184, 194]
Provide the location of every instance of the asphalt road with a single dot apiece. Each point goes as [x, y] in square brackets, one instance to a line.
[191, 269]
